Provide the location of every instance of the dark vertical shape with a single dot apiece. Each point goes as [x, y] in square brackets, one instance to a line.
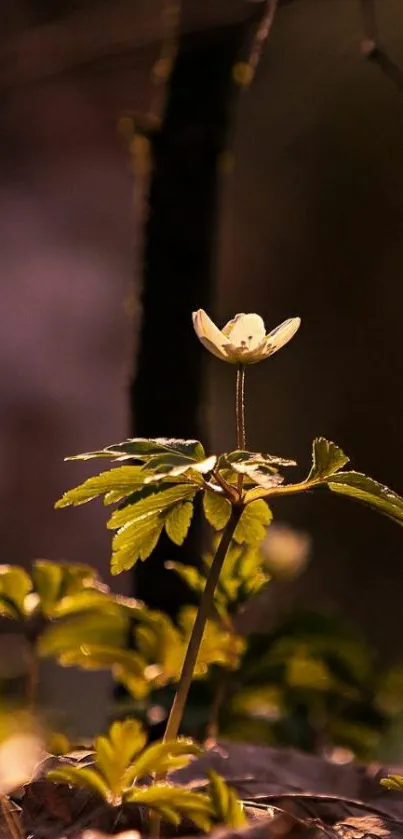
[178, 266]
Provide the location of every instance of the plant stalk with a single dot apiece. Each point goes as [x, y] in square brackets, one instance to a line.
[240, 415]
[203, 612]
[205, 608]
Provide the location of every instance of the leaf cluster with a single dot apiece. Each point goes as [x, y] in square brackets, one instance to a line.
[125, 770]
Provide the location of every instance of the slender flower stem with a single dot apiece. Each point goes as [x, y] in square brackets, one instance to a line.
[206, 603]
[240, 407]
[240, 415]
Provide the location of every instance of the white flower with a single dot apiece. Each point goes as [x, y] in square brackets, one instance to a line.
[243, 340]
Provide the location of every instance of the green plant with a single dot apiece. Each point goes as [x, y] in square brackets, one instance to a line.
[68, 613]
[158, 479]
[52, 591]
[154, 483]
[122, 769]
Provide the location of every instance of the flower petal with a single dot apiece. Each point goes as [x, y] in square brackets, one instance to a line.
[246, 331]
[246, 355]
[281, 335]
[208, 333]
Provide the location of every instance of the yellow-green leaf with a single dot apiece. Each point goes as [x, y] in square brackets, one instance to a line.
[394, 782]
[141, 448]
[15, 585]
[99, 628]
[121, 480]
[159, 758]
[370, 492]
[327, 458]
[253, 523]
[177, 522]
[227, 808]
[140, 524]
[216, 509]
[114, 752]
[138, 544]
[157, 498]
[172, 802]
[81, 776]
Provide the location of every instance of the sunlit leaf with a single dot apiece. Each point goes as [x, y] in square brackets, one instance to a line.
[216, 509]
[82, 601]
[140, 525]
[172, 801]
[98, 628]
[122, 480]
[174, 464]
[15, 586]
[47, 577]
[394, 782]
[178, 521]
[128, 548]
[126, 666]
[158, 498]
[160, 757]
[243, 457]
[370, 492]
[253, 523]
[227, 808]
[141, 448]
[114, 752]
[81, 776]
[327, 458]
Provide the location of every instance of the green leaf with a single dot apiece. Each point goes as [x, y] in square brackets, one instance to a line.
[56, 580]
[99, 628]
[159, 758]
[241, 457]
[216, 509]
[121, 480]
[47, 577]
[15, 586]
[128, 548]
[177, 522]
[172, 802]
[174, 464]
[114, 752]
[158, 498]
[327, 459]
[260, 469]
[227, 808]
[140, 525]
[82, 601]
[189, 574]
[370, 492]
[141, 448]
[253, 523]
[394, 782]
[126, 666]
[82, 777]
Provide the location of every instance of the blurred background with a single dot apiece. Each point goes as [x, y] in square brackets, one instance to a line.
[138, 181]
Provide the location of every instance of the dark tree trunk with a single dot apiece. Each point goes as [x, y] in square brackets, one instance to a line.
[178, 267]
